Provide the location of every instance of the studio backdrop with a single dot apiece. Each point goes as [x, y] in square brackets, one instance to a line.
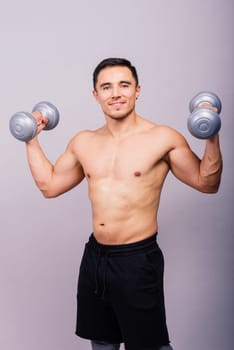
[48, 52]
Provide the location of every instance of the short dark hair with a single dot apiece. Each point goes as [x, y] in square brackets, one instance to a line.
[112, 62]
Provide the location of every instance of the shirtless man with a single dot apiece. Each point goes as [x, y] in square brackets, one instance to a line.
[125, 162]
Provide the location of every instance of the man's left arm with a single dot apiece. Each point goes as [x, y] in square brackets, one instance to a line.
[211, 165]
[202, 174]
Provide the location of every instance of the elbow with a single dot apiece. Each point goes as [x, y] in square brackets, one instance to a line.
[210, 188]
[215, 188]
[210, 183]
[47, 190]
[48, 194]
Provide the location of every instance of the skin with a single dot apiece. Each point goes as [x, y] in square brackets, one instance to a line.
[125, 163]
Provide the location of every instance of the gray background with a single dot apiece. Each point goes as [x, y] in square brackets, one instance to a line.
[48, 51]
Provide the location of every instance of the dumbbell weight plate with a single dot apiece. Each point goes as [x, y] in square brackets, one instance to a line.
[49, 111]
[205, 97]
[23, 126]
[204, 123]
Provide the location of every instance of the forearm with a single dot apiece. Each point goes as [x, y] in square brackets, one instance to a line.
[211, 165]
[41, 168]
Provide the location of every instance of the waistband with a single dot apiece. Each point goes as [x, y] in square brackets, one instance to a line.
[123, 248]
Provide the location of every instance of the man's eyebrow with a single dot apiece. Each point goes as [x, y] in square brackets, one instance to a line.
[121, 82]
[105, 84]
[125, 82]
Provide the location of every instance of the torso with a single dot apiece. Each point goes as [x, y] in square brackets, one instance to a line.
[125, 179]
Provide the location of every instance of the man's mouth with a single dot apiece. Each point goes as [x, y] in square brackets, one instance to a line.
[117, 104]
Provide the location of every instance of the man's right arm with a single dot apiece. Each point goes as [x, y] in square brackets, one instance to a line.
[53, 180]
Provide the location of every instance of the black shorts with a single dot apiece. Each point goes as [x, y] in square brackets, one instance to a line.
[120, 294]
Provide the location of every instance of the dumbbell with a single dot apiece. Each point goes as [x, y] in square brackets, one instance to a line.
[23, 126]
[204, 122]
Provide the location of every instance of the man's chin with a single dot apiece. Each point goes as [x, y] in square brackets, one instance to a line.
[119, 115]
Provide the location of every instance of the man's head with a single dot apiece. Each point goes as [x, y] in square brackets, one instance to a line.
[113, 62]
[116, 87]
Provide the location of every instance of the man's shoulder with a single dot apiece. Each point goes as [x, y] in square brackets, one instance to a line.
[155, 127]
[166, 136]
[161, 129]
[86, 134]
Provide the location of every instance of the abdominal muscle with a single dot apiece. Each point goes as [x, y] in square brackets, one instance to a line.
[123, 211]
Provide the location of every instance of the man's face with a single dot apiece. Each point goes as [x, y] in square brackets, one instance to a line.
[116, 92]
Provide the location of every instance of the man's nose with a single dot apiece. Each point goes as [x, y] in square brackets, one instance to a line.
[116, 92]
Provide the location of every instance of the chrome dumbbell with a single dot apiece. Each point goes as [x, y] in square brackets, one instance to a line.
[23, 126]
[204, 122]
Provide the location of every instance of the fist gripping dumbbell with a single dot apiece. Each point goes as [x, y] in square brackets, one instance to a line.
[23, 125]
[204, 122]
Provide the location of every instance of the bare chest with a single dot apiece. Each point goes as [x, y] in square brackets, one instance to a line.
[121, 160]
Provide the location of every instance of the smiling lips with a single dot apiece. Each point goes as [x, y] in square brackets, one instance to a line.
[116, 104]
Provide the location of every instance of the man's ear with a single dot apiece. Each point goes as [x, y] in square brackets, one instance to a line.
[95, 94]
[138, 90]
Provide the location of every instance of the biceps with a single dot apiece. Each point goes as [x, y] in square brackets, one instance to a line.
[67, 173]
[185, 165]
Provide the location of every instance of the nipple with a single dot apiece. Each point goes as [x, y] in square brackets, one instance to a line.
[137, 173]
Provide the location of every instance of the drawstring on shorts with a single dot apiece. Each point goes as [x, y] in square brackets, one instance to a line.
[101, 273]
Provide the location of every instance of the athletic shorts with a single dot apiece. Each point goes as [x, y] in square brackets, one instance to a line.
[120, 296]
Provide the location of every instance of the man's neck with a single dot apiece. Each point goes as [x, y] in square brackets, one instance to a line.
[121, 127]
